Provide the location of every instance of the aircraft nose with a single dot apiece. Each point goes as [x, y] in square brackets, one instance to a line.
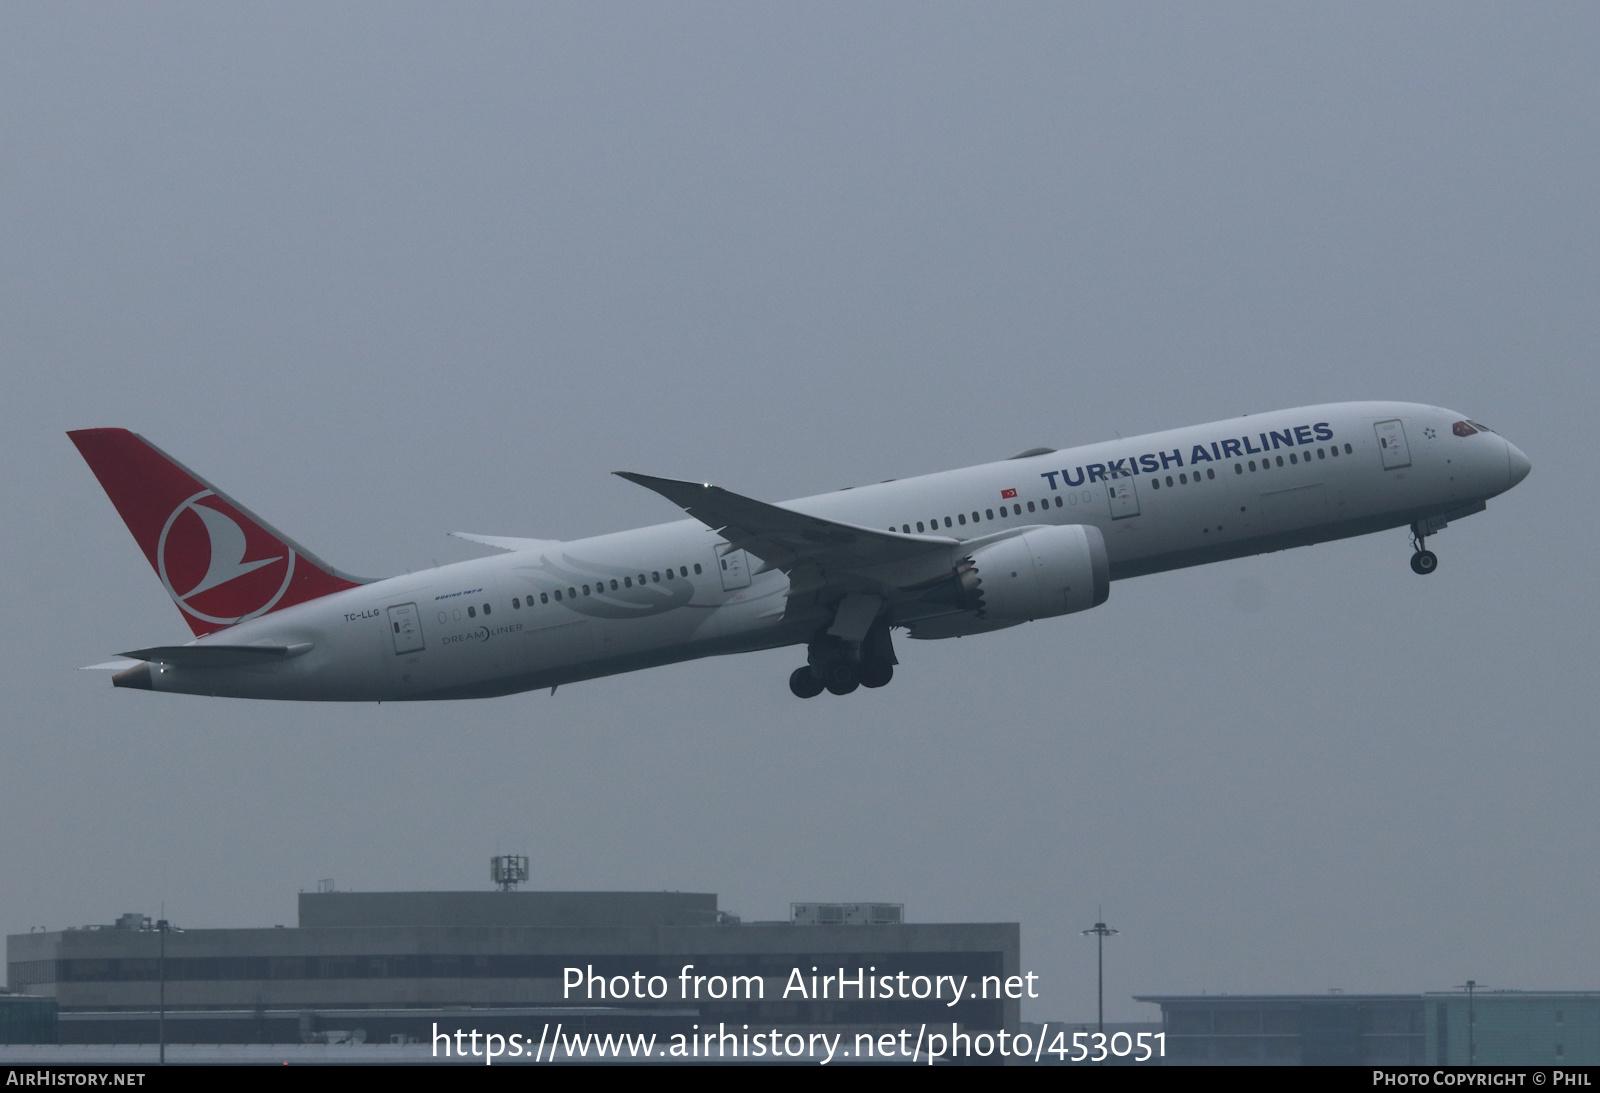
[1520, 466]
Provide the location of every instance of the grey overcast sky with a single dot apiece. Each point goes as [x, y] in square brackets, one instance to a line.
[385, 271]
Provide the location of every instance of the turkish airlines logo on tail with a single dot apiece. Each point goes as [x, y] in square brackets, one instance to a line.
[201, 559]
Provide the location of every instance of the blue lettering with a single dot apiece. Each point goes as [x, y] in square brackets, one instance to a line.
[1323, 432]
[1230, 449]
[1264, 445]
[1097, 472]
[1252, 451]
[1286, 436]
[1302, 433]
[1051, 475]
[1148, 464]
[1116, 469]
[1214, 453]
[1198, 454]
[1067, 478]
[1173, 460]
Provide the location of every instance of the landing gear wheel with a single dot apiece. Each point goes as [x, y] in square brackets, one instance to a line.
[842, 678]
[804, 684]
[1424, 562]
[876, 673]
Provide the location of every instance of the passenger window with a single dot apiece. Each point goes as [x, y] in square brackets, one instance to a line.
[1169, 480]
[643, 581]
[544, 597]
[961, 518]
[919, 525]
[1292, 459]
[627, 582]
[697, 567]
[1058, 500]
[1002, 511]
[1349, 450]
[515, 604]
[472, 612]
[485, 609]
[558, 595]
[1030, 506]
[585, 590]
[572, 593]
[669, 573]
[905, 529]
[1280, 461]
[683, 571]
[613, 584]
[1210, 473]
[947, 521]
[1252, 464]
[1238, 468]
[655, 575]
[1155, 483]
[989, 513]
[1183, 480]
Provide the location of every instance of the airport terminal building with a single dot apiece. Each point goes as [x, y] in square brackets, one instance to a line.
[389, 966]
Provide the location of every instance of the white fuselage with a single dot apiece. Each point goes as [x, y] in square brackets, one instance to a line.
[495, 626]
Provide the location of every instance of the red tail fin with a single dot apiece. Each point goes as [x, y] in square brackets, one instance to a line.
[220, 563]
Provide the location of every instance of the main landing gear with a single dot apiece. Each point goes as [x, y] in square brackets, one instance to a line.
[839, 667]
[1423, 561]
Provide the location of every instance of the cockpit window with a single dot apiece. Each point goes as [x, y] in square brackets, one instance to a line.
[1463, 428]
[1480, 426]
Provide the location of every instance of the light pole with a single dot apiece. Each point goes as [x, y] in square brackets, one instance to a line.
[162, 928]
[1100, 931]
[1470, 986]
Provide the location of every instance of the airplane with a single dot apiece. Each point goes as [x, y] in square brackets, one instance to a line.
[957, 553]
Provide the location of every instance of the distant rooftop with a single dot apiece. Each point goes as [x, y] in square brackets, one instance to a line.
[332, 909]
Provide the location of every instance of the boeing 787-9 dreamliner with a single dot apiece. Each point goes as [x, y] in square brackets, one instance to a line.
[944, 555]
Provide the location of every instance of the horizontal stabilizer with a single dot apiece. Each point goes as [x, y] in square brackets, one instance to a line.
[506, 542]
[217, 656]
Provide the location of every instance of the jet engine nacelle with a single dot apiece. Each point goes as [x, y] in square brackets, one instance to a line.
[1042, 572]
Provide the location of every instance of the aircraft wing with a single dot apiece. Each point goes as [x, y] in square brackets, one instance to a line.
[785, 539]
[506, 542]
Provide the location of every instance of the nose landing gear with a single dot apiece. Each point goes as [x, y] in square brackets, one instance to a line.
[1423, 561]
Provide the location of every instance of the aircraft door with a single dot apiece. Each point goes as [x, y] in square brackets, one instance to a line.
[735, 568]
[405, 626]
[1123, 497]
[1392, 443]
